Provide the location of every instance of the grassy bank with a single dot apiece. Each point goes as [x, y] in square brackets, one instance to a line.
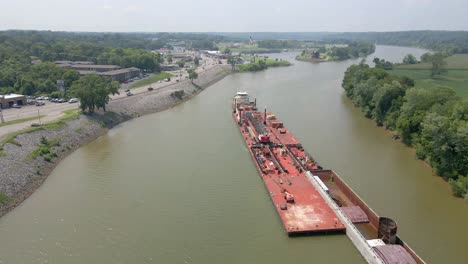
[242, 47]
[20, 120]
[456, 76]
[57, 124]
[261, 63]
[151, 79]
[308, 57]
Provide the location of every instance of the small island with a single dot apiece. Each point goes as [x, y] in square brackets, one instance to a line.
[320, 52]
[258, 63]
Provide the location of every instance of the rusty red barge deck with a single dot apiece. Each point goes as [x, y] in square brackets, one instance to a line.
[280, 161]
[310, 199]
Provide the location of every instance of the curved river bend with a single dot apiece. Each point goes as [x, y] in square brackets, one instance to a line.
[179, 186]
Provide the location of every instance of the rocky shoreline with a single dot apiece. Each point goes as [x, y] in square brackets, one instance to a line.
[22, 171]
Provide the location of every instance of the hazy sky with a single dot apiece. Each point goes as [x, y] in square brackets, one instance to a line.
[233, 15]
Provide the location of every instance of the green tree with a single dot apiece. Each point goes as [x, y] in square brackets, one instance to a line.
[93, 92]
[438, 64]
[196, 61]
[232, 60]
[227, 51]
[418, 101]
[192, 74]
[180, 63]
[69, 76]
[384, 98]
[169, 58]
[426, 57]
[409, 59]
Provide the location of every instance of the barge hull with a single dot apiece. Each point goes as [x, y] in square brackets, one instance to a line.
[309, 213]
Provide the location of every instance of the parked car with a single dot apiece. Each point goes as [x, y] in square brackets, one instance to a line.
[16, 106]
[128, 90]
[129, 94]
[73, 100]
[40, 103]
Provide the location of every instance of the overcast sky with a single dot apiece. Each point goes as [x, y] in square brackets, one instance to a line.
[233, 15]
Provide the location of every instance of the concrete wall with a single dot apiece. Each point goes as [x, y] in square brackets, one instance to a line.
[351, 231]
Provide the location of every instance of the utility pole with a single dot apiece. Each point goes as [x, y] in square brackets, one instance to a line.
[1, 112]
[39, 117]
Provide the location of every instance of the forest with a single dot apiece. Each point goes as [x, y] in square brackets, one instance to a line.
[351, 49]
[433, 120]
[19, 48]
[444, 41]
[278, 44]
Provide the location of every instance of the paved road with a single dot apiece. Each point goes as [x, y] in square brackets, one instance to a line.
[53, 111]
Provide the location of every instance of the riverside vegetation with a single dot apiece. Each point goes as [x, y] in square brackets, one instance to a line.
[431, 118]
[27, 57]
[259, 63]
[343, 50]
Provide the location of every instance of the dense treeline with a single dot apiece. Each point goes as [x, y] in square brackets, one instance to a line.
[278, 44]
[447, 41]
[19, 48]
[353, 49]
[129, 57]
[434, 120]
[17, 76]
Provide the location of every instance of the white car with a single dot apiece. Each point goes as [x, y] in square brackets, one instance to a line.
[73, 100]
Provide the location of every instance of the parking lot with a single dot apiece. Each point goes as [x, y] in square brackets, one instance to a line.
[53, 110]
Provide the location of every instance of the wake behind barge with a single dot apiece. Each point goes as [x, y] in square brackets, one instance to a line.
[309, 199]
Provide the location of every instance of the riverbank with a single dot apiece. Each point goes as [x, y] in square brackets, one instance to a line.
[310, 59]
[25, 162]
[412, 112]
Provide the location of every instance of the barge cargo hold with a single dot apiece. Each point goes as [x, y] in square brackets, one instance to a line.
[301, 208]
[308, 198]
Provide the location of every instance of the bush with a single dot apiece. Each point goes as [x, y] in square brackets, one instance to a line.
[460, 187]
[3, 198]
[178, 94]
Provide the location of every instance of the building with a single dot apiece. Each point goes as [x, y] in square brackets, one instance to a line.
[115, 72]
[9, 100]
[74, 62]
[86, 67]
[122, 75]
[215, 54]
[169, 67]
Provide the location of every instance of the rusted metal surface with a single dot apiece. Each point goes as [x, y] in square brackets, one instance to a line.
[300, 206]
[394, 254]
[355, 214]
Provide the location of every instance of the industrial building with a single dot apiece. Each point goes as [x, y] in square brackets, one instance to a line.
[90, 67]
[122, 75]
[8, 100]
[115, 72]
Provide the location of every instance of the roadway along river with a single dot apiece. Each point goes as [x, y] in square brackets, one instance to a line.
[180, 187]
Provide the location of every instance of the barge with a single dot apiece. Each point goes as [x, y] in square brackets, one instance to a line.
[308, 198]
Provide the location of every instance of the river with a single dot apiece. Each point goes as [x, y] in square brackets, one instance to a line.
[179, 186]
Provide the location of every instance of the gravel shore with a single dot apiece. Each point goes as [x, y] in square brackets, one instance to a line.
[21, 173]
